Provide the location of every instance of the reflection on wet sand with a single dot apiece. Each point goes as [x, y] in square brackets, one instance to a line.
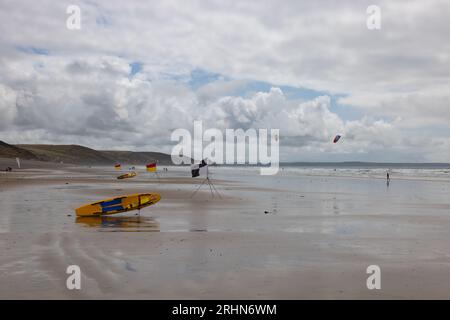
[120, 224]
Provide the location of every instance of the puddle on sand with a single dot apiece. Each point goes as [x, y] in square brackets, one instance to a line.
[120, 224]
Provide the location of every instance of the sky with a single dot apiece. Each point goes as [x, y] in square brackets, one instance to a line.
[137, 70]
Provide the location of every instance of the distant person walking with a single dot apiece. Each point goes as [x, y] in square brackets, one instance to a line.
[388, 178]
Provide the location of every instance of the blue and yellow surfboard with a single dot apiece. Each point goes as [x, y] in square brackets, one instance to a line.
[118, 204]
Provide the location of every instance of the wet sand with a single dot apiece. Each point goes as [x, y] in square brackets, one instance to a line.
[280, 237]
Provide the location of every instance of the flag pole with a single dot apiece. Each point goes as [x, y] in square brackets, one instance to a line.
[210, 184]
[215, 189]
[193, 194]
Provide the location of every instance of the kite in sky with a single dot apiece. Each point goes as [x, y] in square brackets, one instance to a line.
[336, 139]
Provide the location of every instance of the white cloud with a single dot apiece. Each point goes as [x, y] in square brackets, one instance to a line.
[82, 91]
[7, 106]
[97, 101]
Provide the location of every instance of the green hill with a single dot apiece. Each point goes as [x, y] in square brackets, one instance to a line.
[11, 151]
[67, 153]
[140, 158]
[76, 154]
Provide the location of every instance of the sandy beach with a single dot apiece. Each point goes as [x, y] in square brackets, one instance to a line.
[290, 236]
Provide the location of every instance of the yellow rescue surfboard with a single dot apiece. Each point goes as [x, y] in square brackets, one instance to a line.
[118, 204]
[127, 175]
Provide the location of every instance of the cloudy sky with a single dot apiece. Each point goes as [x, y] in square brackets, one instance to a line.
[137, 70]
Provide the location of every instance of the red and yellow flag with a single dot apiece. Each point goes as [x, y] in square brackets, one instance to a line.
[151, 167]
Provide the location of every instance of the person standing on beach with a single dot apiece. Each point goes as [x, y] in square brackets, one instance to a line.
[388, 178]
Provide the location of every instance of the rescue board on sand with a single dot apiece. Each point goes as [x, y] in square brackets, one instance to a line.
[118, 204]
